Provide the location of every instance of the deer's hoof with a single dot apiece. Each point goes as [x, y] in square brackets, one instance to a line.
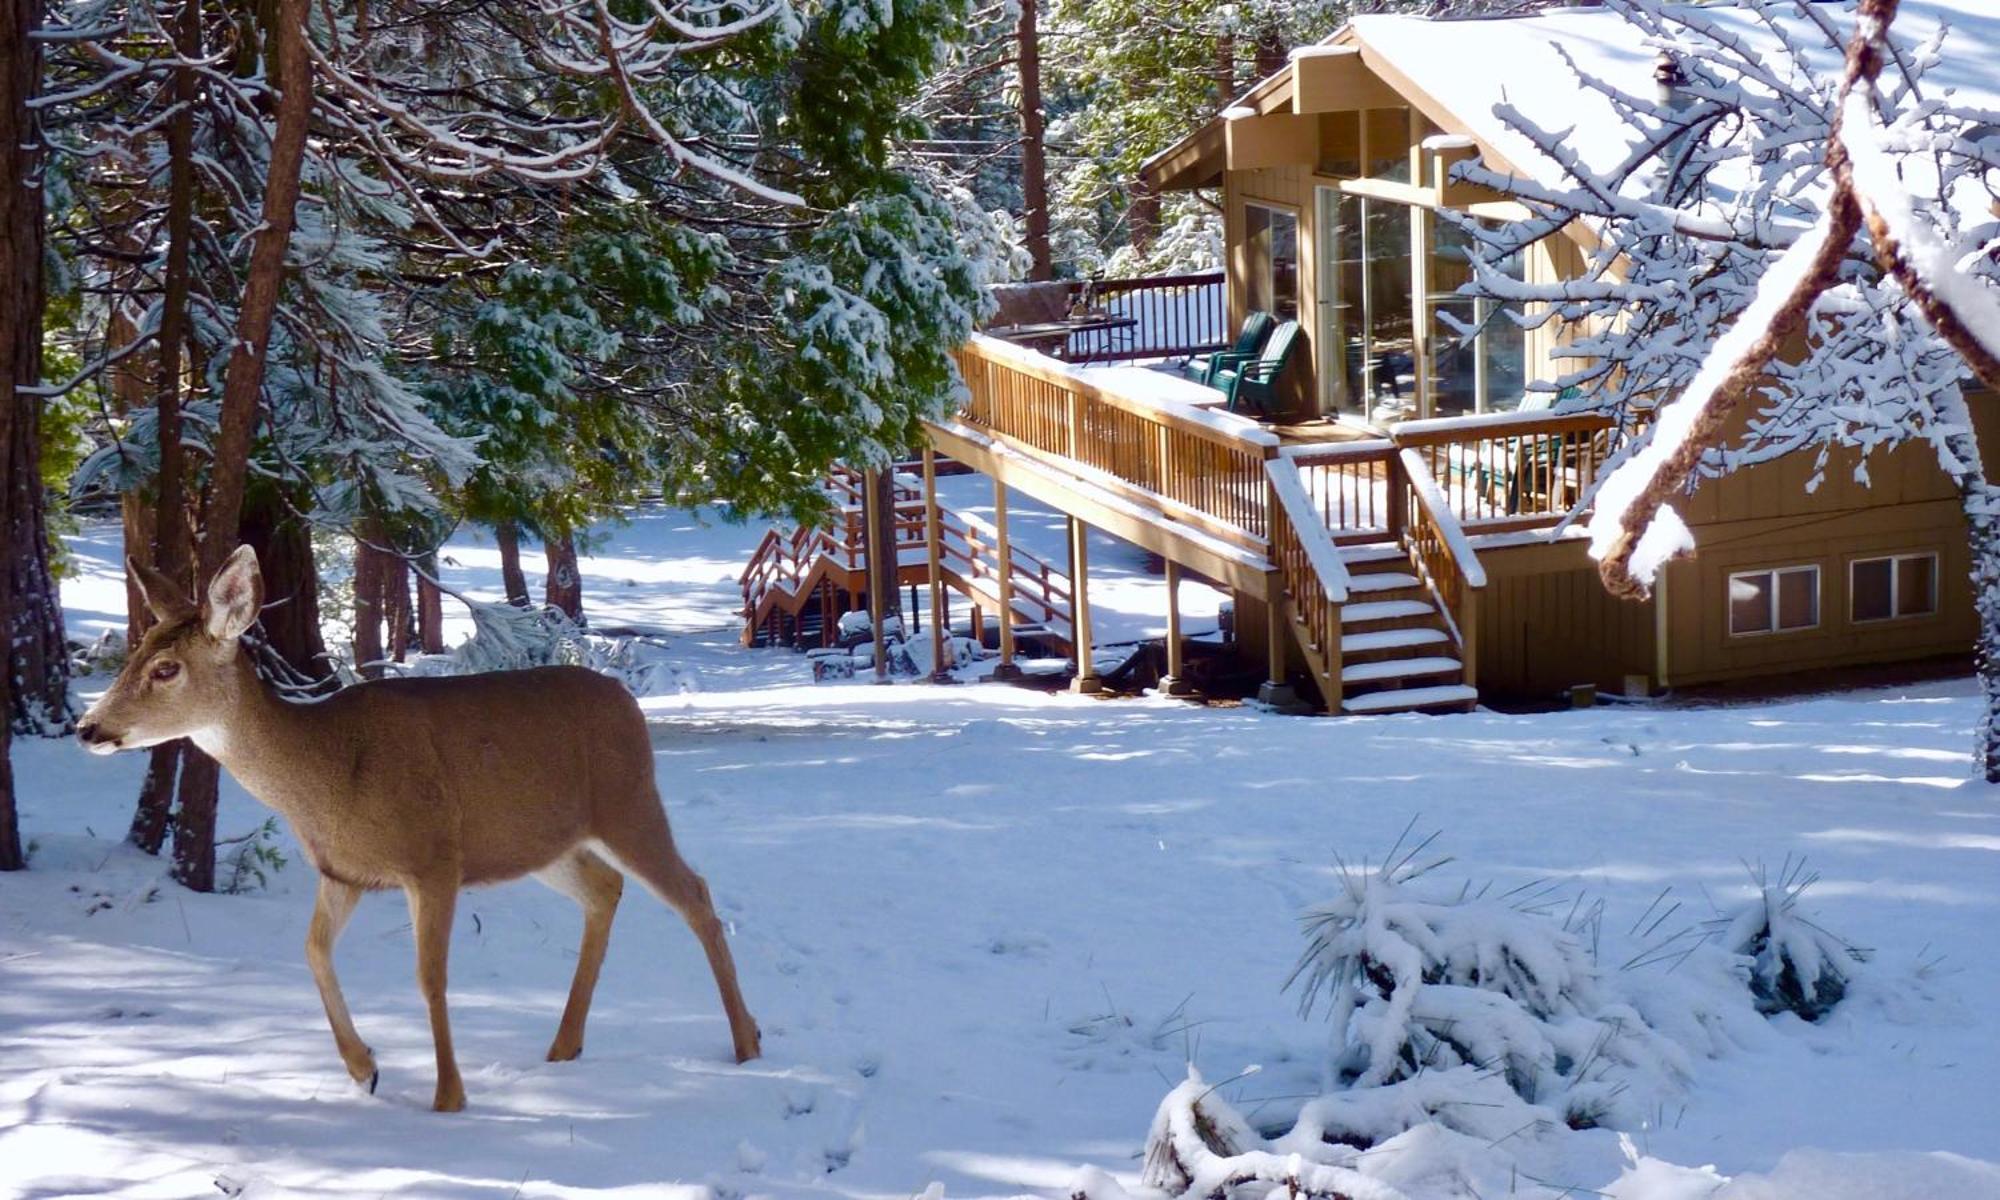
[449, 1100]
[563, 1051]
[750, 1045]
[362, 1068]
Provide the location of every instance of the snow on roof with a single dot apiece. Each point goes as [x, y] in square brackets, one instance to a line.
[1469, 66]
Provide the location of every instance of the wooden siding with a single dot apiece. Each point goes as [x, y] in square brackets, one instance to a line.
[1546, 624]
[1289, 188]
[1702, 650]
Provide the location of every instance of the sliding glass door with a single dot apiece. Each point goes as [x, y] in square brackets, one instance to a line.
[1367, 367]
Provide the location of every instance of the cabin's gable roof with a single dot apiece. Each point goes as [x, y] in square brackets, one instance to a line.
[1456, 72]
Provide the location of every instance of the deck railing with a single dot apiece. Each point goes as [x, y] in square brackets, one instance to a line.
[1040, 594]
[1172, 316]
[1352, 486]
[1201, 467]
[1310, 571]
[1516, 470]
[1439, 549]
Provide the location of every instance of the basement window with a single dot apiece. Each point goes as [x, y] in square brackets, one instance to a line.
[1778, 600]
[1892, 587]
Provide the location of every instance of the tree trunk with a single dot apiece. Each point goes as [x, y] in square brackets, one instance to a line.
[1270, 53]
[20, 334]
[565, 586]
[1143, 217]
[290, 619]
[1034, 154]
[34, 625]
[243, 377]
[430, 606]
[513, 580]
[194, 821]
[242, 389]
[396, 605]
[368, 575]
[154, 810]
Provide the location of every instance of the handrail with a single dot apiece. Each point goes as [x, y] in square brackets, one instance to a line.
[1200, 421]
[1430, 501]
[1313, 454]
[1314, 541]
[1433, 430]
[1196, 466]
[1164, 316]
[1450, 567]
[1311, 578]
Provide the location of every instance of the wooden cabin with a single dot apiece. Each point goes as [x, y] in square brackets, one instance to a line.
[1403, 537]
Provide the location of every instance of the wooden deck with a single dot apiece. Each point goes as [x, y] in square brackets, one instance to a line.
[1359, 546]
[1366, 553]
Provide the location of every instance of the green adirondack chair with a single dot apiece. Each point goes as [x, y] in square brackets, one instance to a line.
[1256, 327]
[1252, 385]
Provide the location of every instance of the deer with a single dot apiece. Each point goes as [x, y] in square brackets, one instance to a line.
[429, 784]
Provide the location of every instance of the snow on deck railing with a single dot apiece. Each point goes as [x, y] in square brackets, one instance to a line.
[1315, 541]
[1196, 465]
[1430, 499]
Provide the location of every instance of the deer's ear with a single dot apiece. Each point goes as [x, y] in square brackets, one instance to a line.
[162, 595]
[234, 596]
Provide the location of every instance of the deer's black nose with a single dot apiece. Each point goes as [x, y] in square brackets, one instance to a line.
[90, 733]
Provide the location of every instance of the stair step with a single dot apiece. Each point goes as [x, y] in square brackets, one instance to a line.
[1398, 668]
[1355, 556]
[1390, 639]
[1383, 610]
[1406, 698]
[1382, 581]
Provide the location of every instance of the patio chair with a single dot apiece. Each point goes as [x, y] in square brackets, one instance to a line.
[1256, 327]
[1253, 384]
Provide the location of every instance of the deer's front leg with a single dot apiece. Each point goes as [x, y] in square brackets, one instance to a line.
[432, 902]
[331, 908]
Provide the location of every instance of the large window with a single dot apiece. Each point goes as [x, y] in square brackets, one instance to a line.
[1478, 353]
[1273, 238]
[1779, 600]
[1891, 587]
[1365, 310]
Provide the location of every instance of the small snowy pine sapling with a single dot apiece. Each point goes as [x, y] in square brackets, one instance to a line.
[1797, 965]
[1418, 983]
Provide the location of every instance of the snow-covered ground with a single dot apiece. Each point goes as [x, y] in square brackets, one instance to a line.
[984, 930]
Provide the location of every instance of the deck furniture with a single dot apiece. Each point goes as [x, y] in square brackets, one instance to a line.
[1252, 385]
[1256, 327]
[1052, 337]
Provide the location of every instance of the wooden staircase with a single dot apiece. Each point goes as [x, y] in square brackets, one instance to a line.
[799, 584]
[1397, 653]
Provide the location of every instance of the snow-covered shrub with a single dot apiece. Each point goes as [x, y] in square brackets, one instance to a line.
[1200, 1146]
[1416, 983]
[509, 638]
[105, 655]
[243, 861]
[1796, 965]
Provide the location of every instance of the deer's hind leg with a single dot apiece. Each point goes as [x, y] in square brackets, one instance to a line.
[331, 909]
[595, 885]
[645, 848]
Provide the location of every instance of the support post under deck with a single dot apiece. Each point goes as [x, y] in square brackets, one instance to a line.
[1087, 680]
[881, 554]
[1275, 690]
[1005, 552]
[934, 545]
[1175, 681]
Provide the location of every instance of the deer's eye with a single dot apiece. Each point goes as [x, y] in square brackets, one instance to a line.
[165, 671]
